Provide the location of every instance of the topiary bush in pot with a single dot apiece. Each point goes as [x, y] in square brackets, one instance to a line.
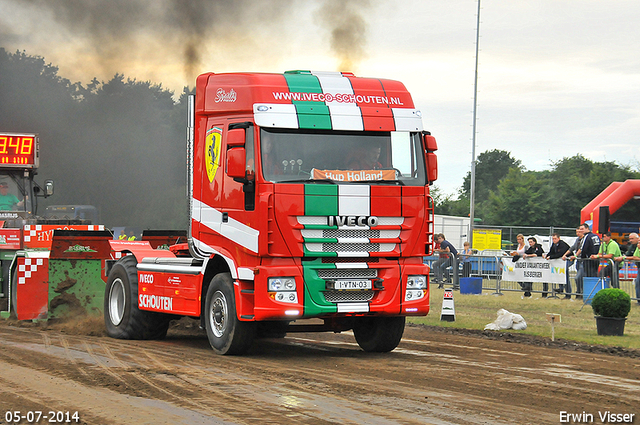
[611, 302]
[611, 306]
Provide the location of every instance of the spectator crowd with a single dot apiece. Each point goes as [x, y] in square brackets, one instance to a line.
[592, 255]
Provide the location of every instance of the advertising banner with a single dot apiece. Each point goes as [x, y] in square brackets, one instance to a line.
[534, 270]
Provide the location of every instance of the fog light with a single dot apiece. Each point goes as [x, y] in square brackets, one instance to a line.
[414, 294]
[286, 297]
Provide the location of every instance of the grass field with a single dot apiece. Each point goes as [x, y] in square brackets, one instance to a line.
[475, 311]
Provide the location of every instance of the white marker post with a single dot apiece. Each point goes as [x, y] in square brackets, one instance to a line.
[553, 319]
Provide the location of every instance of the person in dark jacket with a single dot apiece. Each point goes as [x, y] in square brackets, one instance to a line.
[633, 243]
[448, 255]
[590, 246]
[570, 256]
[557, 250]
[533, 250]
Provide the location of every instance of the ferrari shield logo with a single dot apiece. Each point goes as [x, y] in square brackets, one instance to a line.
[212, 152]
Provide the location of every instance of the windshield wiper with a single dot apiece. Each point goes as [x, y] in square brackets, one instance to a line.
[397, 182]
[308, 181]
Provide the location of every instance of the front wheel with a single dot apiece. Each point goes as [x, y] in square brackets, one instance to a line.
[122, 317]
[227, 334]
[379, 334]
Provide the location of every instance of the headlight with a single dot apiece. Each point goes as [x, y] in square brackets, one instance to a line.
[283, 289]
[281, 284]
[416, 287]
[417, 282]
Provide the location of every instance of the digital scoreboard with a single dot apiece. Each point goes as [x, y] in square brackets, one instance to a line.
[18, 150]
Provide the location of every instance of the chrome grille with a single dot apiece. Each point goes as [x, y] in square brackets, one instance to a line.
[348, 233]
[348, 239]
[348, 296]
[348, 274]
[330, 260]
[350, 247]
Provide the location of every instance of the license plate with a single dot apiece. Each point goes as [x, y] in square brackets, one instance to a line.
[353, 285]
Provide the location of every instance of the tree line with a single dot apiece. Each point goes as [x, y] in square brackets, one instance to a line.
[509, 195]
[119, 145]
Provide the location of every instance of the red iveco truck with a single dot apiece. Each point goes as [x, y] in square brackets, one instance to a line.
[309, 199]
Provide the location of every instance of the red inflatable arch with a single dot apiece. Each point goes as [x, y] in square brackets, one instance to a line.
[614, 196]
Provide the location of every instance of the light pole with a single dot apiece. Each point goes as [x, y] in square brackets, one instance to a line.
[472, 189]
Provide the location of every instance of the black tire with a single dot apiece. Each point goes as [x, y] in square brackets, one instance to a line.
[379, 334]
[122, 317]
[227, 334]
[14, 296]
[4, 266]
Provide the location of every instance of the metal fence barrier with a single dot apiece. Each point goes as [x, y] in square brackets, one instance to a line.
[623, 275]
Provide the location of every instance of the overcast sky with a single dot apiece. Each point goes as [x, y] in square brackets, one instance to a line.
[556, 77]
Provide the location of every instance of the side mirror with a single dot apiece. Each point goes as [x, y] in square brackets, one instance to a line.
[236, 137]
[236, 163]
[48, 188]
[432, 167]
[431, 159]
[430, 143]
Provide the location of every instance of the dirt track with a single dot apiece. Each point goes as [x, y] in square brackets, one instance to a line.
[434, 377]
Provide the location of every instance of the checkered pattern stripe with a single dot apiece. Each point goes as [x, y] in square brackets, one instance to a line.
[29, 267]
[31, 230]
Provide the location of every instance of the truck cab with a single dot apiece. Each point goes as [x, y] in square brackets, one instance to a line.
[309, 199]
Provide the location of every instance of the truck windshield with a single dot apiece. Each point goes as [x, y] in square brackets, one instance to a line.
[342, 157]
[12, 196]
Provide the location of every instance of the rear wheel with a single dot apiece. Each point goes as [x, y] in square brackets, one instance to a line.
[122, 317]
[14, 296]
[379, 334]
[227, 334]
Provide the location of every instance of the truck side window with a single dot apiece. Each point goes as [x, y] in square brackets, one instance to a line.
[250, 154]
[250, 188]
[250, 174]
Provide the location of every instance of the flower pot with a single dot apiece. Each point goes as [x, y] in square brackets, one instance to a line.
[610, 325]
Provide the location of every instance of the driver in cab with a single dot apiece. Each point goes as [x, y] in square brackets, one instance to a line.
[8, 201]
[365, 158]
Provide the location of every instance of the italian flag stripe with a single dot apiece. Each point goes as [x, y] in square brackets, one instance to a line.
[310, 114]
[327, 200]
[336, 101]
[320, 199]
[354, 200]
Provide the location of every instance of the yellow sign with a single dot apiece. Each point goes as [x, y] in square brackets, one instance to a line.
[212, 152]
[487, 239]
